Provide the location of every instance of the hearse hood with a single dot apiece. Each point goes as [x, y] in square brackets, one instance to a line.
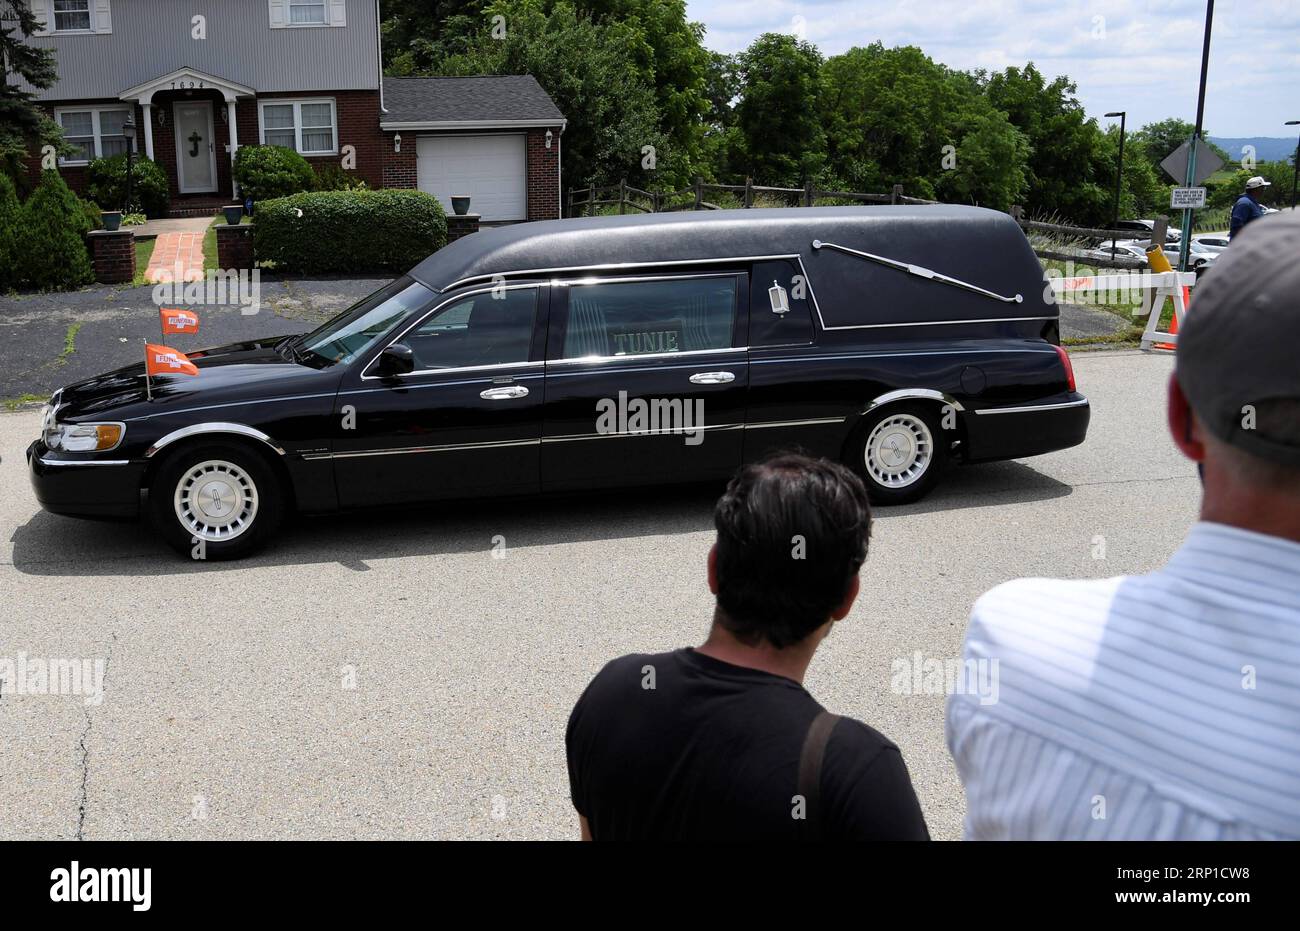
[979, 247]
[225, 372]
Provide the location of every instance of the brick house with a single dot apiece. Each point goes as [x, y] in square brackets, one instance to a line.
[305, 74]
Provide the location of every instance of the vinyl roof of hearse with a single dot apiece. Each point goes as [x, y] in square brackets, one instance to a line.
[978, 245]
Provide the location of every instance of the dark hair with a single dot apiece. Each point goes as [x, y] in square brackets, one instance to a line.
[792, 533]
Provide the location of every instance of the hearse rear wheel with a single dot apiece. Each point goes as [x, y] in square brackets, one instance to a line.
[899, 451]
[216, 501]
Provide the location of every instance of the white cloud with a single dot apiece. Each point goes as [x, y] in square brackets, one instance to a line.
[1143, 56]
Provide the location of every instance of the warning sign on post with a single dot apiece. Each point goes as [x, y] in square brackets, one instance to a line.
[1187, 198]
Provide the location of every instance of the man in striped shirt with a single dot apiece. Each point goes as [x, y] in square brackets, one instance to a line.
[1167, 706]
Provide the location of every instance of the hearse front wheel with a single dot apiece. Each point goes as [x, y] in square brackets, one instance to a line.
[216, 501]
[899, 451]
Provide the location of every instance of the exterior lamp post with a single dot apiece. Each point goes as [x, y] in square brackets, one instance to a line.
[1119, 176]
[128, 130]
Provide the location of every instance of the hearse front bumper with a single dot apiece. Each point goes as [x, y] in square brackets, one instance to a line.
[83, 487]
[1019, 430]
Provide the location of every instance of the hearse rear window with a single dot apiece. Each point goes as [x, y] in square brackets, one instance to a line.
[631, 318]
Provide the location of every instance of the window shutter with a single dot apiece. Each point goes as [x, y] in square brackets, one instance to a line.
[101, 19]
[44, 16]
[338, 12]
[279, 13]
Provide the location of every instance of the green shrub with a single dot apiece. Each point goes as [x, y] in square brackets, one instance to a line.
[349, 231]
[10, 210]
[334, 178]
[50, 243]
[106, 185]
[90, 214]
[265, 172]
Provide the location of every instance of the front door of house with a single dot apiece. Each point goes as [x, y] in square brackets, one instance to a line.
[196, 152]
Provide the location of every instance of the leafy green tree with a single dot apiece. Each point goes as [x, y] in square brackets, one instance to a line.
[51, 252]
[1225, 192]
[23, 125]
[781, 136]
[895, 116]
[591, 71]
[1068, 172]
[418, 34]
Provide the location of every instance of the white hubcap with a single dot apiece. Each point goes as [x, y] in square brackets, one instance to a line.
[216, 500]
[899, 450]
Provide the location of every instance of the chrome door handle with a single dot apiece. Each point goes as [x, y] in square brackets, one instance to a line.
[504, 393]
[712, 378]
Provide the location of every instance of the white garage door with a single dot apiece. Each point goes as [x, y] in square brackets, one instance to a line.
[490, 169]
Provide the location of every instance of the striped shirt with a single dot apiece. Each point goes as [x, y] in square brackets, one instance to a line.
[1154, 707]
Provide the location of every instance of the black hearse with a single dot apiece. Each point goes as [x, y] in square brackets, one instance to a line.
[596, 352]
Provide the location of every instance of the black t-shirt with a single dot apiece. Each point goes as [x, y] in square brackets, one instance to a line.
[711, 752]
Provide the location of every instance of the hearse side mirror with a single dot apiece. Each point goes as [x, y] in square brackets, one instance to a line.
[397, 359]
[776, 296]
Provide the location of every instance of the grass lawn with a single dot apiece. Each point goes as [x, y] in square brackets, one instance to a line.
[143, 252]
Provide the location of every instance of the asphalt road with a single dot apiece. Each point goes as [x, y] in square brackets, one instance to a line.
[226, 711]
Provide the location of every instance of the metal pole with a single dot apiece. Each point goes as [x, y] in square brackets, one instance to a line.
[1184, 247]
[1295, 176]
[1119, 175]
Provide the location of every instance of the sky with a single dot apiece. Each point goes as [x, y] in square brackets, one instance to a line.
[1142, 56]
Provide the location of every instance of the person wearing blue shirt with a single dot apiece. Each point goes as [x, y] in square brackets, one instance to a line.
[1247, 207]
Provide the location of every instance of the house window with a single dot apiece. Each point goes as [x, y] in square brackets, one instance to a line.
[96, 132]
[71, 15]
[307, 126]
[306, 13]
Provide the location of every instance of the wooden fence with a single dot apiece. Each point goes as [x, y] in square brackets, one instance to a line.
[586, 201]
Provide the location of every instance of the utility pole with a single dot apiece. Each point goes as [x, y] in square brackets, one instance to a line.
[1119, 175]
[1184, 247]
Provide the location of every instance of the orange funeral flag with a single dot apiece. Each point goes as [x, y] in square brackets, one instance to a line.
[163, 360]
[178, 321]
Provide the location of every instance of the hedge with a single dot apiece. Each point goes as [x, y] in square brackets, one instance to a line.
[10, 211]
[265, 172]
[106, 185]
[324, 232]
[50, 245]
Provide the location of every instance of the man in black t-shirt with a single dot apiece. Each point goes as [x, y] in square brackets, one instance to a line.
[720, 742]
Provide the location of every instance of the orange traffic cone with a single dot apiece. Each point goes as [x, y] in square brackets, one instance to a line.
[1173, 321]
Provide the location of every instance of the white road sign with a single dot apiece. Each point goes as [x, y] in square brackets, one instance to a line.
[1186, 198]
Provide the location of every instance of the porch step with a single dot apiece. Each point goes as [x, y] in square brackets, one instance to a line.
[195, 208]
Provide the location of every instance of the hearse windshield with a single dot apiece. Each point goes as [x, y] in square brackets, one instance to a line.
[353, 331]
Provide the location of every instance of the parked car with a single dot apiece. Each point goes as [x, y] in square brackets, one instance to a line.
[1123, 249]
[600, 352]
[1213, 243]
[1144, 229]
[1200, 257]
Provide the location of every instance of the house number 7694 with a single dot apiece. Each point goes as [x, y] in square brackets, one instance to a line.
[187, 84]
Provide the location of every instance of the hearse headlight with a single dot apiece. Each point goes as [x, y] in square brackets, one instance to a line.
[84, 437]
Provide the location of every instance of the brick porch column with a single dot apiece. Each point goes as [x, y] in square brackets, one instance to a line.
[113, 255]
[459, 227]
[235, 246]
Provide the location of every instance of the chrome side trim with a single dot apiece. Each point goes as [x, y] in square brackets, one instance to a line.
[925, 394]
[1031, 408]
[217, 428]
[455, 371]
[793, 423]
[408, 450]
[881, 326]
[708, 428]
[689, 353]
[85, 462]
[612, 266]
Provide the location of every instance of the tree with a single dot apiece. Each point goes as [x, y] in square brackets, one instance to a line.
[782, 138]
[895, 116]
[592, 72]
[51, 251]
[23, 125]
[1161, 138]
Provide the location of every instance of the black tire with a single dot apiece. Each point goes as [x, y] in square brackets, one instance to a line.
[907, 430]
[239, 485]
